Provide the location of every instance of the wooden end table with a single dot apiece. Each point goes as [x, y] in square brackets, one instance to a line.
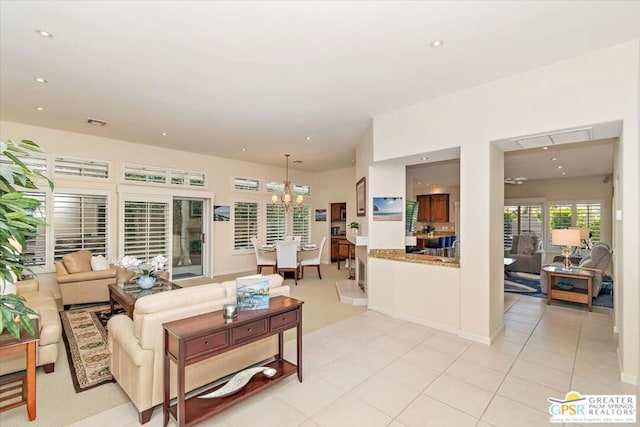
[126, 294]
[584, 296]
[28, 344]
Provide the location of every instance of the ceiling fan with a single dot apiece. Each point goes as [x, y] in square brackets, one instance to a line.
[514, 180]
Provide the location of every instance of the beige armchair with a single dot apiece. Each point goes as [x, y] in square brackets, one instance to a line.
[50, 326]
[79, 283]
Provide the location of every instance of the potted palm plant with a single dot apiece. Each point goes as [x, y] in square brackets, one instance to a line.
[16, 226]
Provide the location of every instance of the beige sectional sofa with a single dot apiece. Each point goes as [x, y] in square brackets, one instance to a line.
[50, 329]
[136, 345]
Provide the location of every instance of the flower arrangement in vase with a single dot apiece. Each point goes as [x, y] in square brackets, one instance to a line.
[147, 271]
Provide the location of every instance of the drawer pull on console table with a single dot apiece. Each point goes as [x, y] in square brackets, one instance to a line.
[193, 339]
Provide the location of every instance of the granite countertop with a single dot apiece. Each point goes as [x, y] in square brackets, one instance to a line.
[401, 255]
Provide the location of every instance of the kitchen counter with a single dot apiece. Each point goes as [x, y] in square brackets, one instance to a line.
[436, 234]
[400, 255]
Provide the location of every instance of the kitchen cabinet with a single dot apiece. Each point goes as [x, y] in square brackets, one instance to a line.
[337, 210]
[433, 208]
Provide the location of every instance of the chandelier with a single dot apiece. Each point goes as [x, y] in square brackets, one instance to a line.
[287, 197]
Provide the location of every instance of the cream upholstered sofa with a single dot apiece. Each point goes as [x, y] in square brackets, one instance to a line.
[50, 329]
[136, 345]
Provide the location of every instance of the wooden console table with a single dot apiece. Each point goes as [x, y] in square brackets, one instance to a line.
[28, 344]
[191, 340]
[584, 296]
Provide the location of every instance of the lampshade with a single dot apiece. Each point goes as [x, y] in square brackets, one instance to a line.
[584, 232]
[566, 237]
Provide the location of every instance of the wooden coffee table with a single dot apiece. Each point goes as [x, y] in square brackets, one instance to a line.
[126, 294]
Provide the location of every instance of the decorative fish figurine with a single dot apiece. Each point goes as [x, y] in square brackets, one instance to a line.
[238, 381]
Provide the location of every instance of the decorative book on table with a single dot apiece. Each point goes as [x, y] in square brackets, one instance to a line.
[252, 292]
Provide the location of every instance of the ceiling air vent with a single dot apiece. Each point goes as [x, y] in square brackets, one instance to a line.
[555, 138]
[96, 122]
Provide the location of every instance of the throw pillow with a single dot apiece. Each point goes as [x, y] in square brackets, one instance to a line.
[99, 262]
[525, 244]
[77, 262]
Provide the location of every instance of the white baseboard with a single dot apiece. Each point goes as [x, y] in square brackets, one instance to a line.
[629, 379]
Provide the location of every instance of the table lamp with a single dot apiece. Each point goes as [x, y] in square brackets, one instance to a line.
[566, 237]
[584, 237]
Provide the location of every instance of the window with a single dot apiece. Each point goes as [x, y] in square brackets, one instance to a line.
[145, 174]
[302, 223]
[275, 187]
[246, 184]
[303, 190]
[518, 219]
[79, 222]
[35, 250]
[276, 224]
[146, 229]
[35, 163]
[579, 214]
[589, 215]
[80, 167]
[245, 224]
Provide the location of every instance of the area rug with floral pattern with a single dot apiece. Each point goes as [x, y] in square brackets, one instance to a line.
[85, 338]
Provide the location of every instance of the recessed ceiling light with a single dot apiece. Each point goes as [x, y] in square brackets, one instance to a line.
[559, 166]
[244, 149]
[352, 161]
[424, 158]
[437, 43]
[45, 34]
[297, 161]
[564, 173]
[39, 108]
[308, 138]
[40, 80]
[545, 148]
[164, 134]
[553, 159]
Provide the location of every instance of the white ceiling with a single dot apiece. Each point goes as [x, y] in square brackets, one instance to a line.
[220, 77]
[577, 159]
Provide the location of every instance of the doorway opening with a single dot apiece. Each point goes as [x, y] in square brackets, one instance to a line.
[188, 238]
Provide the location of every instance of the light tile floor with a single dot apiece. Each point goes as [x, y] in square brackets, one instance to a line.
[372, 370]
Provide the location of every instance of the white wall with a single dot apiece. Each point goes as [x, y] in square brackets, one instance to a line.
[334, 186]
[598, 87]
[326, 187]
[421, 293]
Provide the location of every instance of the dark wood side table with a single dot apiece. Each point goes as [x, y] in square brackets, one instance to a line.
[193, 339]
[28, 344]
[584, 296]
[126, 294]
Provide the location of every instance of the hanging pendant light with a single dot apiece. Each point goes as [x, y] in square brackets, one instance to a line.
[287, 196]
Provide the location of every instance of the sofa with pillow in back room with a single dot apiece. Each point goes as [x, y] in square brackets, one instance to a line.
[525, 249]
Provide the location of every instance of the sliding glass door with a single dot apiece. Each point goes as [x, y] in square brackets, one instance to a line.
[188, 237]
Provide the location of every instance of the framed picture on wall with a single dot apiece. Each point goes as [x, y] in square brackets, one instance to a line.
[361, 197]
[221, 213]
[321, 214]
[387, 208]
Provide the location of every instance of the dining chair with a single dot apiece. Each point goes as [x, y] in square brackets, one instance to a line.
[287, 258]
[262, 260]
[313, 260]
